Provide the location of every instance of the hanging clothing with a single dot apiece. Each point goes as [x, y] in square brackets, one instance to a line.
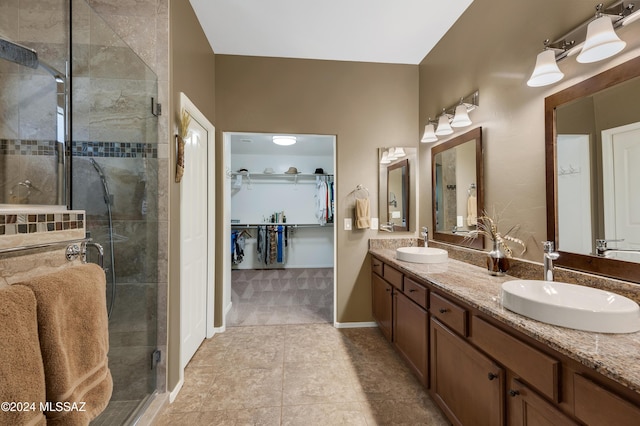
[321, 197]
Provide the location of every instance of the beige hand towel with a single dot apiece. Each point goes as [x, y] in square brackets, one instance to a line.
[363, 217]
[472, 211]
[21, 370]
[74, 341]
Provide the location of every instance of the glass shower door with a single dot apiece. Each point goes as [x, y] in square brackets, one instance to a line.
[114, 168]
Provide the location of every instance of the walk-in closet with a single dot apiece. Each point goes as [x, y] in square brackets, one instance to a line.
[282, 228]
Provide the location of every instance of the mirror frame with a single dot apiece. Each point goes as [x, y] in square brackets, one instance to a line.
[628, 271]
[406, 198]
[459, 140]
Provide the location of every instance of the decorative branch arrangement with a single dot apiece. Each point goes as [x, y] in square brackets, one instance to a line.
[183, 131]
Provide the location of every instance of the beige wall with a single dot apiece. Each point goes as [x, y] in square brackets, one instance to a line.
[492, 47]
[366, 105]
[192, 70]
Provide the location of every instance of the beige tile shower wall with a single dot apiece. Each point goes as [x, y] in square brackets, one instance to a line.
[493, 47]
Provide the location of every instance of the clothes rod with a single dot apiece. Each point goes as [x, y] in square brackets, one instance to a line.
[294, 225]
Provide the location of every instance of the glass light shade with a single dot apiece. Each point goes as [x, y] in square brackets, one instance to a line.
[546, 71]
[461, 117]
[429, 134]
[392, 153]
[444, 128]
[284, 140]
[399, 152]
[602, 41]
[385, 158]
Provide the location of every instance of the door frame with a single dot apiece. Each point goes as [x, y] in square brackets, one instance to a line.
[193, 110]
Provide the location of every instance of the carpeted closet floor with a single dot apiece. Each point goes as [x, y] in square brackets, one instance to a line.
[281, 296]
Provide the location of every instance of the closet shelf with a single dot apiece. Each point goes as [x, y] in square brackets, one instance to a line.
[306, 177]
[295, 225]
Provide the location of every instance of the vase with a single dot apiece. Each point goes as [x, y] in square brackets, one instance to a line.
[497, 260]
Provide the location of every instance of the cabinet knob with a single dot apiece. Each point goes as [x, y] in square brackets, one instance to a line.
[514, 393]
[413, 290]
[387, 289]
[492, 376]
[443, 310]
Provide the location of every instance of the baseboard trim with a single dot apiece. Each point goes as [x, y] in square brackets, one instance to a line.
[371, 324]
[174, 393]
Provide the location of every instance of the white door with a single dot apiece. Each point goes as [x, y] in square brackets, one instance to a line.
[621, 157]
[574, 194]
[197, 223]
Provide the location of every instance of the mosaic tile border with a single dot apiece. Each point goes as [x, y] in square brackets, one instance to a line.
[114, 149]
[33, 223]
[79, 148]
[28, 147]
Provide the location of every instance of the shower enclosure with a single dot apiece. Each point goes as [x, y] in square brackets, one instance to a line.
[77, 129]
[114, 176]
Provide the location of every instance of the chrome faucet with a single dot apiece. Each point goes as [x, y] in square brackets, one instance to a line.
[603, 251]
[387, 227]
[549, 256]
[425, 235]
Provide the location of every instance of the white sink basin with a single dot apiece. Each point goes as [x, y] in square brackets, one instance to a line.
[572, 306]
[422, 254]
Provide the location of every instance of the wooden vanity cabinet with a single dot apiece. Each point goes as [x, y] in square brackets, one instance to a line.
[526, 407]
[410, 334]
[467, 385]
[382, 307]
[399, 308]
[482, 372]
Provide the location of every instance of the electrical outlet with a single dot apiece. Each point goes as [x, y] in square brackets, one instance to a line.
[374, 223]
[347, 224]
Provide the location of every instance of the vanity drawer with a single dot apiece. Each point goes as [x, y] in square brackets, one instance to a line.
[534, 367]
[376, 265]
[393, 276]
[415, 291]
[596, 405]
[448, 313]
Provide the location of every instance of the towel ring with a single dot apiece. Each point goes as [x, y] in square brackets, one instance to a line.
[362, 191]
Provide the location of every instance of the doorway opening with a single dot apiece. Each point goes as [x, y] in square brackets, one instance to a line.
[279, 216]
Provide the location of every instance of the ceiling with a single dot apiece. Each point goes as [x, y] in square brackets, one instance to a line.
[385, 31]
[262, 144]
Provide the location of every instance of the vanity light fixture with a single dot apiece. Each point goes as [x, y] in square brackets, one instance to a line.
[601, 42]
[284, 140]
[399, 152]
[593, 40]
[429, 133]
[385, 158]
[444, 126]
[455, 116]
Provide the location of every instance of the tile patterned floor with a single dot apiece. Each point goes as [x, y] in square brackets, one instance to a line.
[310, 374]
[281, 296]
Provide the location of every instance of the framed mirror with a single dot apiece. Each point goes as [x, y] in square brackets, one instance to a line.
[457, 190]
[592, 150]
[396, 195]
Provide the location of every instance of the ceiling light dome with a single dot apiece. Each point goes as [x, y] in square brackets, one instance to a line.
[284, 140]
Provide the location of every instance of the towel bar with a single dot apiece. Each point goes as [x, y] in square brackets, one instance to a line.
[72, 252]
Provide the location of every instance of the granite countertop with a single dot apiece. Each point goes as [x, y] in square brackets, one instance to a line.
[616, 356]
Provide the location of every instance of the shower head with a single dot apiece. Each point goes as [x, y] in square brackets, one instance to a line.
[28, 57]
[19, 54]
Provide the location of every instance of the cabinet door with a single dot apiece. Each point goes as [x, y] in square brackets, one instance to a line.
[467, 385]
[410, 334]
[382, 304]
[525, 407]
